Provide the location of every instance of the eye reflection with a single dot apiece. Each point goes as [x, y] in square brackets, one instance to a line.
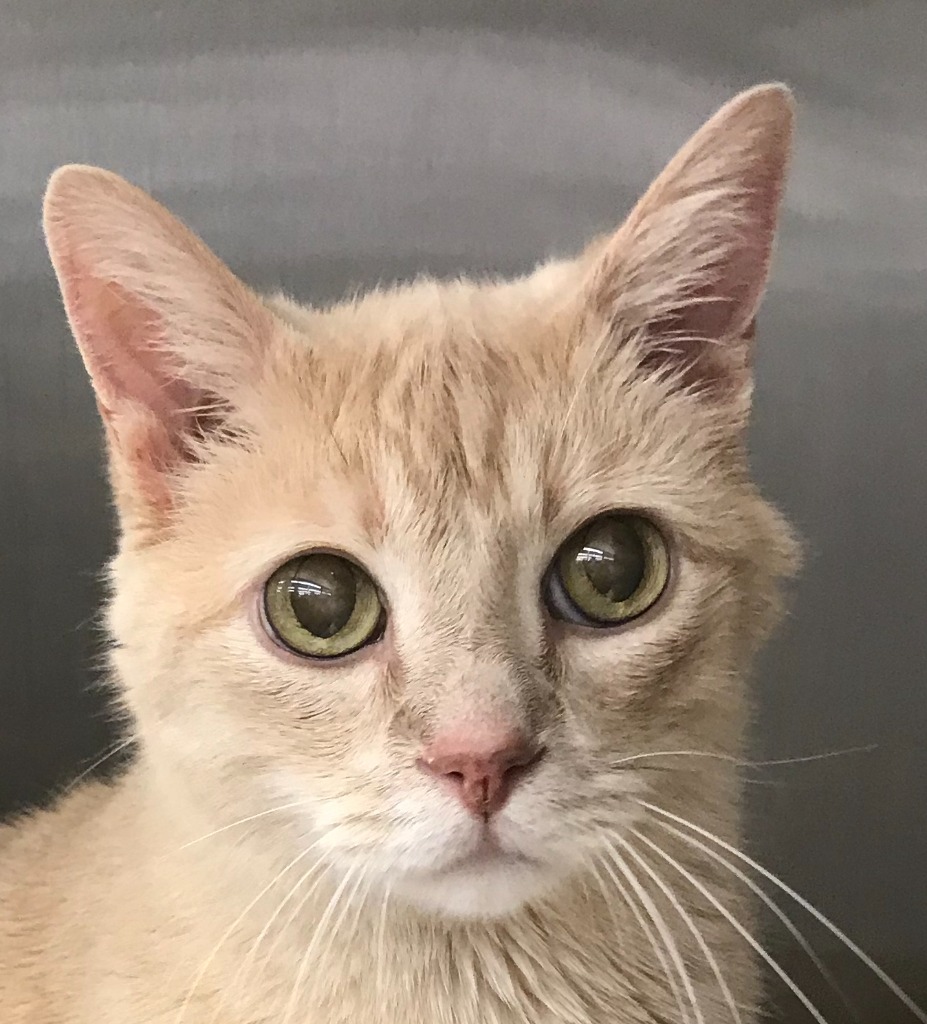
[610, 571]
[323, 606]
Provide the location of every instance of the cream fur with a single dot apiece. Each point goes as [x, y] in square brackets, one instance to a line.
[449, 436]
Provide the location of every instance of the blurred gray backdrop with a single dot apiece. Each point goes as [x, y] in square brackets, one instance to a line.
[327, 144]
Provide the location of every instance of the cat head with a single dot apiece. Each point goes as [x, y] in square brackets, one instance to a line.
[422, 574]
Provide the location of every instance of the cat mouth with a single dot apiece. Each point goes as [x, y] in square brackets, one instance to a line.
[486, 854]
[482, 875]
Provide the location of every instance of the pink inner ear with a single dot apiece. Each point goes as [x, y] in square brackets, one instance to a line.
[148, 409]
[706, 251]
[690, 264]
[162, 324]
[725, 306]
[121, 341]
[675, 345]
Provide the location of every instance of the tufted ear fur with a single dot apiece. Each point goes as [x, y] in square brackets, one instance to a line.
[165, 329]
[691, 261]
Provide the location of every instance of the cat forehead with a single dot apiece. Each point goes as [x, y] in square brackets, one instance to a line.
[463, 410]
[466, 388]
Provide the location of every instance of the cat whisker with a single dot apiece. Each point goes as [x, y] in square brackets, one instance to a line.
[201, 973]
[771, 904]
[111, 752]
[303, 878]
[670, 768]
[740, 762]
[337, 444]
[867, 960]
[826, 755]
[352, 898]
[580, 384]
[754, 944]
[297, 908]
[665, 934]
[361, 902]
[648, 932]
[240, 821]
[674, 901]
[364, 876]
[319, 929]
[381, 940]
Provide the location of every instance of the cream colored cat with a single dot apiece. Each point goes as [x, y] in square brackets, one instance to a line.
[409, 593]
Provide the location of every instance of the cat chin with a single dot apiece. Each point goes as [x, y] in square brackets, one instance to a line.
[475, 892]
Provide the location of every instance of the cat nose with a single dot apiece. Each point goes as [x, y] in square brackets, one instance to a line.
[481, 765]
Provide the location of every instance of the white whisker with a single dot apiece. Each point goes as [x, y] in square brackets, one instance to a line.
[361, 903]
[591, 363]
[319, 928]
[297, 909]
[252, 951]
[758, 891]
[362, 875]
[710, 958]
[740, 762]
[381, 941]
[665, 934]
[891, 985]
[826, 755]
[732, 920]
[646, 929]
[350, 899]
[231, 928]
[241, 821]
[111, 752]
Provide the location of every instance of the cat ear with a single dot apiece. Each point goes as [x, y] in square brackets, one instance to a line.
[164, 328]
[690, 263]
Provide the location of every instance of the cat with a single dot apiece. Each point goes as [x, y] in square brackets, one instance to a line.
[420, 601]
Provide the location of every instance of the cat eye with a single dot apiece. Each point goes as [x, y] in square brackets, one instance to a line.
[610, 571]
[322, 605]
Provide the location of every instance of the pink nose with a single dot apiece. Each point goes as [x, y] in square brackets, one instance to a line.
[480, 765]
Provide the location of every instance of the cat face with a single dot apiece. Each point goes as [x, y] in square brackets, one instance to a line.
[417, 579]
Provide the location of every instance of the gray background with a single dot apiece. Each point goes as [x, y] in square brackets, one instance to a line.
[327, 144]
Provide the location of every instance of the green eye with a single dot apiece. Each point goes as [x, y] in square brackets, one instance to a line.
[610, 571]
[323, 606]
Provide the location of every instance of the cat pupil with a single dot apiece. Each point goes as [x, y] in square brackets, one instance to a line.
[614, 560]
[323, 593]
